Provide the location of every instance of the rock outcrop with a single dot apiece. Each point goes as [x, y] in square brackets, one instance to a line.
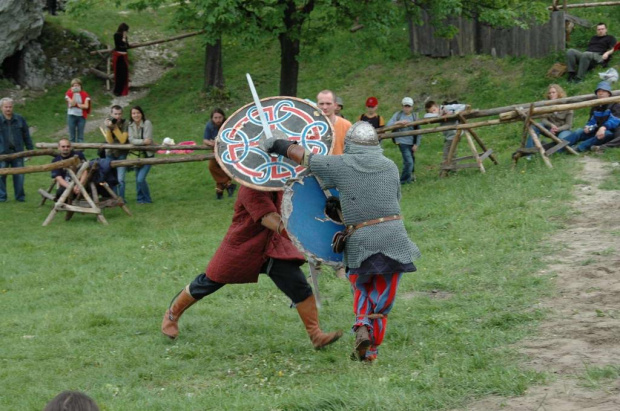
[21, 22]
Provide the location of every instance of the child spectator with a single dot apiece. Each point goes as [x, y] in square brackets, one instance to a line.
[371, 115]
[408, 145]
[434, 110]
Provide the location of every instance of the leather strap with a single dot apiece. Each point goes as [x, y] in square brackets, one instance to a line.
[373, 222]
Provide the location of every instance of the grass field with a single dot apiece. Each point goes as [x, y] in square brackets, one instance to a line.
[82, 303]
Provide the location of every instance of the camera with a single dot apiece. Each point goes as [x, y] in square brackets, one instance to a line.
[112, 120]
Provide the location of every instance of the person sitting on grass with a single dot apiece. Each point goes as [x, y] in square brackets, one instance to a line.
[603, 122]
[599, 50]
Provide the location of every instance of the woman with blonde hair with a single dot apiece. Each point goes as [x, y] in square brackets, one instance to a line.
[558, 122]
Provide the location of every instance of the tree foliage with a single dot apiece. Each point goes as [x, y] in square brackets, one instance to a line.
[298, 23]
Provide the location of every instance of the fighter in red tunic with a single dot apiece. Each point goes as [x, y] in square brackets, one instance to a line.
[256, 242]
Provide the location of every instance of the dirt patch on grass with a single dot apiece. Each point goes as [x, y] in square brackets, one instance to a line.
[582, 333]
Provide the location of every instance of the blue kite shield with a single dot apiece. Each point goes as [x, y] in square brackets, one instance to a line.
[238, 149]
[307, 224]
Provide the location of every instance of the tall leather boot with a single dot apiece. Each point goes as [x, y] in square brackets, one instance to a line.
[179, 304]
[310, 317]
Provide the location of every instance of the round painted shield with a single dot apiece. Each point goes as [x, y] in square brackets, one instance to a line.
[237, 146]
[307, 224]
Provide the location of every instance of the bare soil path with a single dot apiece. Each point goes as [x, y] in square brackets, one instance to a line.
[582, 330]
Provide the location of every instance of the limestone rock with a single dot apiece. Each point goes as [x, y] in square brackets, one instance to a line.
[21, 22]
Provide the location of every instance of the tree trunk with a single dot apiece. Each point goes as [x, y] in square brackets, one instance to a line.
[289, 66]
[214, 74]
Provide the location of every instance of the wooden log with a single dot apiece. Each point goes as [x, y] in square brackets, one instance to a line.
[101, 74]
[539, 146]
[538, 111]
[496, 111]
[555, 138]
[71, 162]
[584, 5]
[168, 160]
[28, 153]
[465, 126]
[82, 146]
[150, 43]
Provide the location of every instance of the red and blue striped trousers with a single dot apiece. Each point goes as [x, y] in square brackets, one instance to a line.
[373, 294]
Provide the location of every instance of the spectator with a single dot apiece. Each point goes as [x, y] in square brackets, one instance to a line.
[603, 122]
[120, 61]
[61, 176]
[434, 110]
[14, 135]
[71, 401]
[326, 101]
[141, 134]
[116, 132]
[408, 145]
[78, 108]
[558, 122]
[339, 107]
[222, 180]
[371, 116]
[599, 50]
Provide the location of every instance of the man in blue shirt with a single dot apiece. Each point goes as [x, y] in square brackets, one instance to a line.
[14, 135]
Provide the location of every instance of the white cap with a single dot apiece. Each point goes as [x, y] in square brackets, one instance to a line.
[407, 101]
[168, 141]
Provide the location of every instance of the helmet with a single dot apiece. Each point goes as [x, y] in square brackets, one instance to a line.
[603, 85]
[362, 133]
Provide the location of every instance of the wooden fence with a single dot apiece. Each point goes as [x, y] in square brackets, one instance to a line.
[478, 38]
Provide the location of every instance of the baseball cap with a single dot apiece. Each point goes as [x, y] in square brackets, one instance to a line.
[407, 101]
[339, 101]
[372, 102]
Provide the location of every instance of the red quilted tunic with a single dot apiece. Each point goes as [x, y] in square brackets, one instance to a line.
[247, 244]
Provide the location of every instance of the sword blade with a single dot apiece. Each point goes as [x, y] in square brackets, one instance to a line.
[314, 273]
[259, 107]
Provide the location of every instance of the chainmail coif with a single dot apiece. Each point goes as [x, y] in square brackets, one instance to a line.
[369, 187]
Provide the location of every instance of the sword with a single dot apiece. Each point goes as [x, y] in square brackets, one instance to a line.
[259, 107]
[314, 273]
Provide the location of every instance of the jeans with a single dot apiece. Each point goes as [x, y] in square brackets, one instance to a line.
[580, 61]
[18, 180]
[142, 187]
[562, 136]
[120, 176]
[76, 128]
[588, 139]
[408, 162]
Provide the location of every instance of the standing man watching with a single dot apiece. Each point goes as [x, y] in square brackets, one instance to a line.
[14, 135]
[116, 132]
[326, 100]
[599, 50]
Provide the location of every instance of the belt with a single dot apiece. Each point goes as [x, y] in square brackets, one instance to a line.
[352, 228]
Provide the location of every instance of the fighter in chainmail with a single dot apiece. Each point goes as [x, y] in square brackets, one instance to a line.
[378, 250]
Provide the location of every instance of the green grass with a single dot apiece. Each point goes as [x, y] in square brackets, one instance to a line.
[82, 302]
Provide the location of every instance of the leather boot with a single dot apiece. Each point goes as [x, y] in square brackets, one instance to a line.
[310, 317]
[181, 302]
[362, 342]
